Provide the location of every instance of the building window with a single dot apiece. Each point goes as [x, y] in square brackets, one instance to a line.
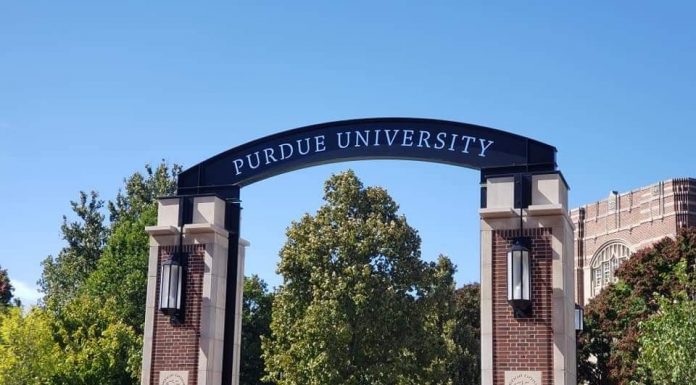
[605, 263]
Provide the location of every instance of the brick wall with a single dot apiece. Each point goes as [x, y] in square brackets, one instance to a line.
[636, 218]
[175, 347]
[525, 343]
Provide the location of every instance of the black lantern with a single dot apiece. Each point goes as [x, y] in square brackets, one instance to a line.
[172, 284]
[519, 272]
[579, 315]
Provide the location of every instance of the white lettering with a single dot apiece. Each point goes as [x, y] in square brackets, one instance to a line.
[268, 153]
[340, 135]
[299, 146]
[377, 137]
[364, 139]
[282, 150]
[390, 141]
[258, 160]
[454, 137]
[319, 143]
[424, 136]
[468, 140]
[441, 139]
[238, 163]
[484, 147]
[408, 137]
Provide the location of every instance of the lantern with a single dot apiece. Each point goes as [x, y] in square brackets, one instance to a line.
[173, 273]
[579, 315]
[519, 273]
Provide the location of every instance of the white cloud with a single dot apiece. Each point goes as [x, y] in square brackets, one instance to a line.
[28, 294]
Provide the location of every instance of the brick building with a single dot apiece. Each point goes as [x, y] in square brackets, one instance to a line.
[608, 231]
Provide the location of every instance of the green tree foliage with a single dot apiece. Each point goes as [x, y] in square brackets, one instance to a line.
[97, 347]
[64, 275]
[612, 319]
[437, 309]
[256, 322]
[668, 344]
[142, 191]
[466, 365]
[354, 304]
[122, 270]
[28, 353]
[6, 289]
[96, 286]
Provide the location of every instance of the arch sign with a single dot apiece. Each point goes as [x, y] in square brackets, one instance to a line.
[430, 140]
[193, 322]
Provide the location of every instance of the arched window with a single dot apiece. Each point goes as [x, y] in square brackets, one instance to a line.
[605, 263]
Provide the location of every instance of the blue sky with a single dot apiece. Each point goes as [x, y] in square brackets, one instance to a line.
[90, 92]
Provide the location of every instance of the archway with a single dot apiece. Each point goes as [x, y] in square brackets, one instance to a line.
[522, 195]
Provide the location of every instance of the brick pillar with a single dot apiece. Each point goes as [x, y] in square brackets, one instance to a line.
[541, 347]
[190, 353]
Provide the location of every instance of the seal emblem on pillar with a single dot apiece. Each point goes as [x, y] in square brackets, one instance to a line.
[523, 378]
[178, 377]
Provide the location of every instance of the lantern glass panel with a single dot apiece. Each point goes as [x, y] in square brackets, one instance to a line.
[509, 275]
[179, 284]
[519, 279]
[174, 287]
[526, 285]
[579, 322]
[164, 286]
[171, 287]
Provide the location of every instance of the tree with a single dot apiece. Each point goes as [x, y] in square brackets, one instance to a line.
[668, 343]
[97, 347]
[29, 355]
[466, 365]
[63, 276]
[612, 319]
[438, 308]
[256, 322]
[121, 272]
[349, 309]
[96, 287]
[6, 289]
[142, 191]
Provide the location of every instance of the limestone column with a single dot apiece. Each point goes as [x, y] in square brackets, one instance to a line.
[540, 348]
[190, 353]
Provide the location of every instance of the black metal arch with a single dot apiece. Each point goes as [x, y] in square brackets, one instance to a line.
[492, 151]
